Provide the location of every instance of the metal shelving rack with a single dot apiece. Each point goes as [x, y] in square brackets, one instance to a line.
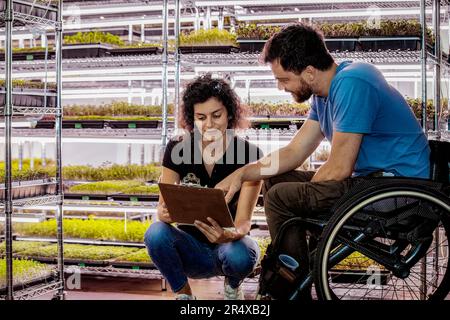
[54, 284]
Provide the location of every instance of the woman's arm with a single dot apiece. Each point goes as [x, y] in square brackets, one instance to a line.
[242, 222]
[167, 176]
[246, 204]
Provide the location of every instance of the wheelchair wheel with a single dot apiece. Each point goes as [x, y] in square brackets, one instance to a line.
[388, 244]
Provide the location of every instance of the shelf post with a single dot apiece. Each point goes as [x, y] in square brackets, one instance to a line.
[437, 67]
[58, 134]
[164, 77]
[9, 17]
[423, 59]
[177, 64]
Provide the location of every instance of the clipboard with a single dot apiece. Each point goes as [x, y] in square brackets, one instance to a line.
[187, 204]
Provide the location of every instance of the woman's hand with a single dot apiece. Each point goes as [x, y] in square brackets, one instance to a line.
[163, 213]
[215, 233]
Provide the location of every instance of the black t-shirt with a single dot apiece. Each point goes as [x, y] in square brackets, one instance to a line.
[185, 158]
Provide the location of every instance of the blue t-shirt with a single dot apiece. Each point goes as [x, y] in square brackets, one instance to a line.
[361, 101]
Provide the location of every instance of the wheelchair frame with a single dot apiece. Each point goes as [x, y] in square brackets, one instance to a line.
[435, 190]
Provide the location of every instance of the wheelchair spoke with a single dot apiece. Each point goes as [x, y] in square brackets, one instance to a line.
[395, 288]
[420, 278]
[419, 290]
[411, 291]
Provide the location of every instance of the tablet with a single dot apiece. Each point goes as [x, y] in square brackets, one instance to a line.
[187, 204]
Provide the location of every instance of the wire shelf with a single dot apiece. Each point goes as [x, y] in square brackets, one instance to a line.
[39, 290]
[44, 17]
[191, 61]
[37, 201]
[116, 272]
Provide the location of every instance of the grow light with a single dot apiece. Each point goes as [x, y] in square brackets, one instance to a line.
[137, 209]
[330, 14]
[286, 2]
[20, 124]
[115, 9]
[24, 218]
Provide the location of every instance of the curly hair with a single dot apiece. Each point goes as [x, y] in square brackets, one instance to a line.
[203, 88]
[298, 46]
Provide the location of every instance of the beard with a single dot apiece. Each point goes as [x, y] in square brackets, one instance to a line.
[303, 93]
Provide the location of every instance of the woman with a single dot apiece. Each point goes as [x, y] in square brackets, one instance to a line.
[208, 153]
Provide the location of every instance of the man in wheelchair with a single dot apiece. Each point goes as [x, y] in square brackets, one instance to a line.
[372, 201]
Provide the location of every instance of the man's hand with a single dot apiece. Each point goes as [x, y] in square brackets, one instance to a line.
[163, 213]
[231, 184]
[215, 233]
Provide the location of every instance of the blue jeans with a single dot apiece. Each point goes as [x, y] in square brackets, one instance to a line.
[178, 255]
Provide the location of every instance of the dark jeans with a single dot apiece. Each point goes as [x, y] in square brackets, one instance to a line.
[293, 195]
[178, 255]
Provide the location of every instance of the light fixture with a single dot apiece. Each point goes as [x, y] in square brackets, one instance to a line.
[20, 124]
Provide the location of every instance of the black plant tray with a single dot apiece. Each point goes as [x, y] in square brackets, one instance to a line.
[133, 265]
[29, 97]
[85, 196]
[251, 45]
[208, 49]
[83, 124]
[45, 124]
[90, 50]
[36, 258]
[85, 262]
[135, 197]
[388, 43]
[29, 189]
[131, 124]
[357, 276]
[135, 51]
[29, 55]
[342, 44]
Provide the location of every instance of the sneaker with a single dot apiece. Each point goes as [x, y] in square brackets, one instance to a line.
[184, 296]
[230, 293]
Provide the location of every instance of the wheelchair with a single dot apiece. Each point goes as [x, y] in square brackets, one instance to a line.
[386, 239]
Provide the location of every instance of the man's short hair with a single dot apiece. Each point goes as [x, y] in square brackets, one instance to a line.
[298, 46]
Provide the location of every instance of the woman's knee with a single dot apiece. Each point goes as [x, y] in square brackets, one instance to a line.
[240, 257]
[158, 233]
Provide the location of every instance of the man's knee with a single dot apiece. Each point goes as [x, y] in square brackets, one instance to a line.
[273, 197]
[290, 176]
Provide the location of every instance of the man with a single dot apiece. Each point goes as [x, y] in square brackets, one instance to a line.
[369, 124]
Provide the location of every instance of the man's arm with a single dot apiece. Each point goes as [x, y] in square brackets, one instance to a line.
[283, 160]
[341, 162]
